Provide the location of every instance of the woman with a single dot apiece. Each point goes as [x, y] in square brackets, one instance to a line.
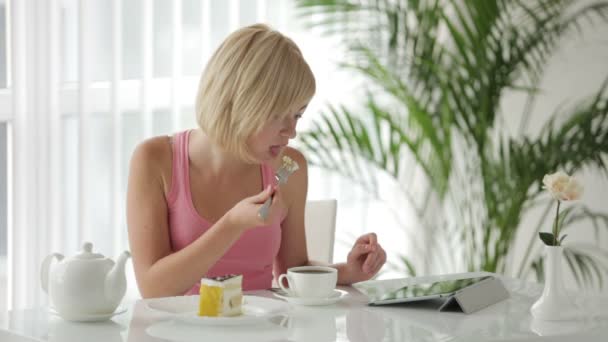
[193, 198]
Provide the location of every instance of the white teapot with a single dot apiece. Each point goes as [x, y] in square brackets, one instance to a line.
[85, 284]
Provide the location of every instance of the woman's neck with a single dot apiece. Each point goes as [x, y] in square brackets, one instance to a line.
[203, 153]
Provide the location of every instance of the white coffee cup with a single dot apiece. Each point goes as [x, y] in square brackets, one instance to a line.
[310, 281]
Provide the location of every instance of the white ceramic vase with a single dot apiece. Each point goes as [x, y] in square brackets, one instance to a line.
[554, 303]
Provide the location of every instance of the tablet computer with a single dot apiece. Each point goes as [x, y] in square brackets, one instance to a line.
[390, 291]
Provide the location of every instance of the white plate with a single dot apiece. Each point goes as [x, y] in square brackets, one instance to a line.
[88, 317]
[176, 331]
[185, 309]
[333, 298]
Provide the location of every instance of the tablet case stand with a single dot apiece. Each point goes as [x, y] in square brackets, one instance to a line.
[476, 297]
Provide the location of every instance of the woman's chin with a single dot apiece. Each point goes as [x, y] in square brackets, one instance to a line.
[267, 158]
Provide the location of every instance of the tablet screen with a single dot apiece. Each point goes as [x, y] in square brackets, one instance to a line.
[429, 289]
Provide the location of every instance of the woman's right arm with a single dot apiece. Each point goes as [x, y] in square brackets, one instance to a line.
[158, 271]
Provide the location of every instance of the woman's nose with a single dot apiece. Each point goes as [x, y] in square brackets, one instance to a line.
[289, 130]
[289, 133]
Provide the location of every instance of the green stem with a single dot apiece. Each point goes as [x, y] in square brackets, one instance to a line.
[556, 225]
[531, 241]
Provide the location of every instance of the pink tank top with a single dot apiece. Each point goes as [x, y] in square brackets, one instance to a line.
[252, 255]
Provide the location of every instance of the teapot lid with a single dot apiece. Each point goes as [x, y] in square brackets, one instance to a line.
[87, 253]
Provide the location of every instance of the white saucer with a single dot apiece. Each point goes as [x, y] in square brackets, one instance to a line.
[88, 317]
[333, 298]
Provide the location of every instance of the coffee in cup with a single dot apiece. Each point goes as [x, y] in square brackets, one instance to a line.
[310, 281]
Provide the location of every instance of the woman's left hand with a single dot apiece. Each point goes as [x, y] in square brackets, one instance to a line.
[364, 260]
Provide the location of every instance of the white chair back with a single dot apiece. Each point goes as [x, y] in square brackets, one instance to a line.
[320, 223]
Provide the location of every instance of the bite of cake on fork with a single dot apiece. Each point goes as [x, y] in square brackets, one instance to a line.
[288, 167]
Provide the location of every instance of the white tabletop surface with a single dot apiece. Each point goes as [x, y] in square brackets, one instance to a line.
[348, 320]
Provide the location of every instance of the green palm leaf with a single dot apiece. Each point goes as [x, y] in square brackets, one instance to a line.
[438, 71]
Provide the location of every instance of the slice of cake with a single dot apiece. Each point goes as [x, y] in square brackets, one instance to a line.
[221, 296]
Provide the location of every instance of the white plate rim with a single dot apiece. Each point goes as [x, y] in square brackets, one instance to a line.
[191, 317]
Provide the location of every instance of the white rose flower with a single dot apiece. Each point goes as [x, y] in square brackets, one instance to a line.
[563, 187]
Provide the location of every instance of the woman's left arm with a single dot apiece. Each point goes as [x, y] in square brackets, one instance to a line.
[365, 258]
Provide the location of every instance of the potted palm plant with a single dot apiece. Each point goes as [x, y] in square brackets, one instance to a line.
[437, 72]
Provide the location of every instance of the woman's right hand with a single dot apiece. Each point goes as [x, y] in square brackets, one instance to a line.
[245, 214]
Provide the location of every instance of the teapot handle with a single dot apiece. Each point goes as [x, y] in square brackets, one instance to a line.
[44, 270]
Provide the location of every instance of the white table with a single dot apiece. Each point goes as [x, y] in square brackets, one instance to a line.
[349, 320]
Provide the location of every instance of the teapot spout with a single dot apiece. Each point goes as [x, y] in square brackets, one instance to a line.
[116, 282]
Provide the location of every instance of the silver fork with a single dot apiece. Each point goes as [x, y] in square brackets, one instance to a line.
[288, 167]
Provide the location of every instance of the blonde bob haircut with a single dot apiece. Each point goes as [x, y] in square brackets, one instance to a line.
[256, 75]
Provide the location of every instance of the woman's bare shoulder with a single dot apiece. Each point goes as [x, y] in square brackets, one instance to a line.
[153, 158]
[153, 150]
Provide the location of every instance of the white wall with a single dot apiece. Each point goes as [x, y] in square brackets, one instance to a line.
[576, 70]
